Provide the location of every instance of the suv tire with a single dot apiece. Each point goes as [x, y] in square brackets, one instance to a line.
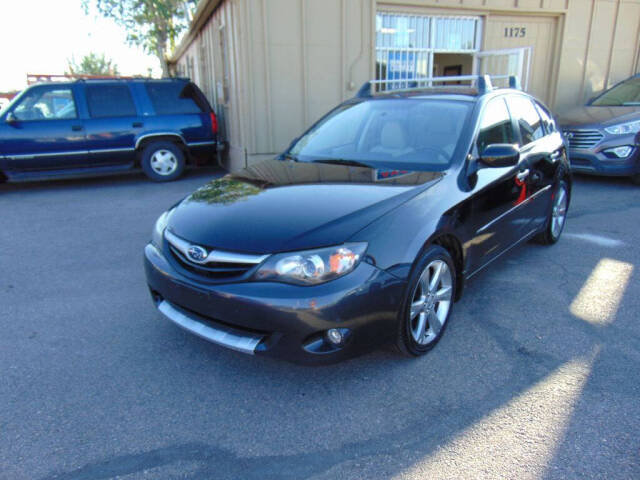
[162, 161]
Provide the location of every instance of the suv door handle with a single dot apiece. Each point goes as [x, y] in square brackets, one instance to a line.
[136, 124]
[76, 128]
[522, 174]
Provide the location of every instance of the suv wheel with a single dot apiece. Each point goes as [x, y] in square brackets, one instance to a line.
[427, 306]
[162, 161]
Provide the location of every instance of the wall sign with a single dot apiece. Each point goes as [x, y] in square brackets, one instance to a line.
[515, 32]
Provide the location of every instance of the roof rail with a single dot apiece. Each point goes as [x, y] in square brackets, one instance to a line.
[482, 83]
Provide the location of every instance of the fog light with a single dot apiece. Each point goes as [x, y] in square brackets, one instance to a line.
[335, 336]
[620, 152]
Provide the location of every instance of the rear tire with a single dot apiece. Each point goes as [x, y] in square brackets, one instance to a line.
[428, 302]
[162, 161]
[557, 216]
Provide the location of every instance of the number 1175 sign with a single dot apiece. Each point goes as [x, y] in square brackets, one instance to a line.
[515, 32]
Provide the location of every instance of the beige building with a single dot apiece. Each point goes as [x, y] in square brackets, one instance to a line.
[273, 67]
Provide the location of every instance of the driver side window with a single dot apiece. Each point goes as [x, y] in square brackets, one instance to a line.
[46, 104]
[495, 125]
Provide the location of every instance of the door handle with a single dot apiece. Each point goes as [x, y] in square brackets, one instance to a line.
[136, 124]
[76, 128]
[521, 175]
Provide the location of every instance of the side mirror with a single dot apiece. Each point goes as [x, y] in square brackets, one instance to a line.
[11, 118]
[500, 155]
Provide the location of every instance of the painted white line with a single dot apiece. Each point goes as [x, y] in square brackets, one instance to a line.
[597, 239]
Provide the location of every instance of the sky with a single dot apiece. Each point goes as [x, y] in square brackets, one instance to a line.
[39, 36]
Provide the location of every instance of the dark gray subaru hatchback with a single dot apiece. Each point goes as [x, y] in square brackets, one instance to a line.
[366, 228]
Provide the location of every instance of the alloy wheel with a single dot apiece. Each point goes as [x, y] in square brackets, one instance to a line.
[559, 211]
[431, 302]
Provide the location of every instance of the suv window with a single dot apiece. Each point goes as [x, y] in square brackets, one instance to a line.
[171, 98]
[495, 125]
[110, 101]
[46, 104]
[625, 93]
[526, 117]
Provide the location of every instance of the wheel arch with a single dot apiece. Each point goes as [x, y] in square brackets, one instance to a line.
[451, 243]
[143, 140]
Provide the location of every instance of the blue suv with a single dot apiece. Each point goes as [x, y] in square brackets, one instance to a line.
[106, 126]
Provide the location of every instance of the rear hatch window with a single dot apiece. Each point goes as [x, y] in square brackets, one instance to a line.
[174, 98]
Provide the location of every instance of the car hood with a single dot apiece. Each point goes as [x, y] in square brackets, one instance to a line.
[590, 116]
[277, 206]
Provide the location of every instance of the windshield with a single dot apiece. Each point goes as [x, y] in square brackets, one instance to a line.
[625, 94]
[409, 132]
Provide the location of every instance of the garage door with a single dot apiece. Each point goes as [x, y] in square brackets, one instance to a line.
[510, 32]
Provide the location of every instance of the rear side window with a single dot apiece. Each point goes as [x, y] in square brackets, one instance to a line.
[171, 98]
[547, 120]
[110, 101]
[495, 125]
[527, 118]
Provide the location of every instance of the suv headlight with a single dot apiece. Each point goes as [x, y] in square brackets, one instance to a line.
[159, 228]
[311, 267]
[624, 128]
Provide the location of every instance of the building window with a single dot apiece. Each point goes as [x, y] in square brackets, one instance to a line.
[411, 49]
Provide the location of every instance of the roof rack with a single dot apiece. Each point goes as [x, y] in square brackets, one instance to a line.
[481, 82]
[33, 78]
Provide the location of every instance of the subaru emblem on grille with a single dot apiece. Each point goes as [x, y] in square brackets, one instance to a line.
[197, 254]
[568, 135]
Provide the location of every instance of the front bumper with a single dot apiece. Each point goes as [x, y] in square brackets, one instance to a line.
[585, 161]
[277, 319]
[593, 159]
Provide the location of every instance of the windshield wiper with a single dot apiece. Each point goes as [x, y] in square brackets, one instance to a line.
[631, 104]
[342, 161]
[289, 156]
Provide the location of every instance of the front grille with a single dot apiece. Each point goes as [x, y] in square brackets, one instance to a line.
[583, 138]
[214, 270]
[216, 265]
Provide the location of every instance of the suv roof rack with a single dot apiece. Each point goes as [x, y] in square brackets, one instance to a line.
[482, 83]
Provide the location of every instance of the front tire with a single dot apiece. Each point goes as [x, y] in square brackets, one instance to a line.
[162, 161]
[428, 302]
[557, 216]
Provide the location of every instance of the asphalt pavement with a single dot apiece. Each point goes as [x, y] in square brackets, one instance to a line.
[537, 376]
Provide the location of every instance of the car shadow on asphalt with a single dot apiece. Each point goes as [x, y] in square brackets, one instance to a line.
[134, 177]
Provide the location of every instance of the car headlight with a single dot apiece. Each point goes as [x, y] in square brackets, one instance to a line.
[159, 228]
[311, 267]
[624, 128]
